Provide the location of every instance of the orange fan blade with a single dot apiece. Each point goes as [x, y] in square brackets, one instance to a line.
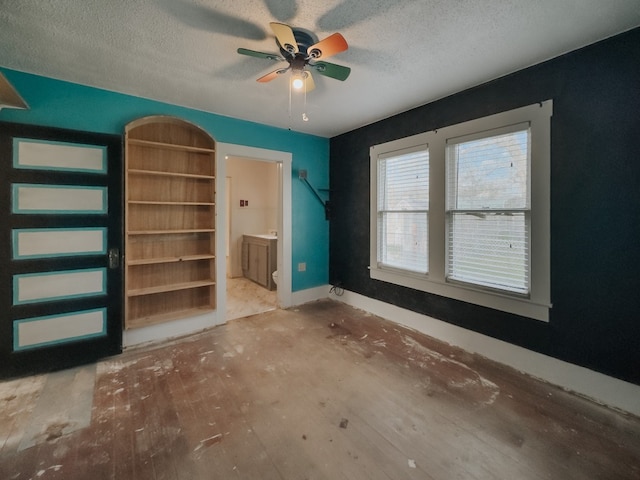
[270, 76]
[329, 46]
[285, 37]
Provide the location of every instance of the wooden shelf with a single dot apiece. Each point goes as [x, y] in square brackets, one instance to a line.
[170, 174]
[184, 258]
[169, 146]
[170, 214]
[170, 288]
[153, 202]
[165, 317]
[169, 232]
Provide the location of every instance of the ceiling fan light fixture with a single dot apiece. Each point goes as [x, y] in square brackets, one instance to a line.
[300, 48]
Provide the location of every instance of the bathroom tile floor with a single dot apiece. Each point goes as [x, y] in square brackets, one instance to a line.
[245, 298]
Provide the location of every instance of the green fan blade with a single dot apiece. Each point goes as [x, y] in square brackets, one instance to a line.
[253, 53]
[331, 70]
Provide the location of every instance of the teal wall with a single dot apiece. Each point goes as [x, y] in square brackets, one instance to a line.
[67, 105]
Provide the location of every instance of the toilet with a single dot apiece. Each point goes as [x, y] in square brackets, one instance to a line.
[274, 275]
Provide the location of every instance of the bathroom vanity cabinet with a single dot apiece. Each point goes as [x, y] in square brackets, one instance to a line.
[259, 259]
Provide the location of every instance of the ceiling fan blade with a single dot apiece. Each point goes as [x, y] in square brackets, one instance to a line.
[332, 70]
[270, 76]
[253, 53]
[329, 46]
[285, 36]
[209, 20]
[282, 9]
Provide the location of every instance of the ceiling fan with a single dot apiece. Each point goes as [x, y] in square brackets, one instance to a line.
[302, 50]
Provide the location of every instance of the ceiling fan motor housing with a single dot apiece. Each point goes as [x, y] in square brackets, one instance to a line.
[304, 39]
[298, 61]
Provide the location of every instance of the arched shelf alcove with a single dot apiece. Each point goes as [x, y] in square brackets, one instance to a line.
[170, 221]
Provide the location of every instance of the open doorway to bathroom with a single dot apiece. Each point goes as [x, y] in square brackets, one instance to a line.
[225, 154]
[253, 214]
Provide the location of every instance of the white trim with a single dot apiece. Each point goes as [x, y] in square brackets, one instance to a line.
[310, 295]
[377, 152]
[596, 386]
[168, 330]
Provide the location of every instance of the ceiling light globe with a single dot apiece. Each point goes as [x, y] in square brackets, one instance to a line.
[297, 83]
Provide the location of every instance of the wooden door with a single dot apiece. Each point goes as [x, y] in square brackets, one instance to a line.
[61, 228]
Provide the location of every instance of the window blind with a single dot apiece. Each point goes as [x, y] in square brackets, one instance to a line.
[488, 211]
[403, 209]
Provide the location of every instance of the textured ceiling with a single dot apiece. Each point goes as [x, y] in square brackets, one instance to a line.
[403, 53]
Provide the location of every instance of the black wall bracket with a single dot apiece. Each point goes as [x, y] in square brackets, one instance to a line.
[302, 175]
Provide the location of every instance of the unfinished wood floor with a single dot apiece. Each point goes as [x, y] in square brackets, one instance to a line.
[323, 391]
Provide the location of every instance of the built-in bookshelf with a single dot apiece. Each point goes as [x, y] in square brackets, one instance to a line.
[170, 221]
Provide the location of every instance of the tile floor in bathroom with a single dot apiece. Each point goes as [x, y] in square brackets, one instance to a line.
[245, 298]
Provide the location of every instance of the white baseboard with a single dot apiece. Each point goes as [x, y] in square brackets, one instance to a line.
[600, 388]
[310, 295]
[166, 331]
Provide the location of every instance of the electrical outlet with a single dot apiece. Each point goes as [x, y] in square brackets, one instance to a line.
[302, 267]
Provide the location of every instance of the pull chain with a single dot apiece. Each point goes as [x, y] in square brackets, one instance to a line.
[304, 112]
[289, 104]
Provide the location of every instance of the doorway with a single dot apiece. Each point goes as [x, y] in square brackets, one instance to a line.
[226, 154]
[253, 190]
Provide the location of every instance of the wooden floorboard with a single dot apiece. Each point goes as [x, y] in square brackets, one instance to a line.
[322, 391]
[18, 399]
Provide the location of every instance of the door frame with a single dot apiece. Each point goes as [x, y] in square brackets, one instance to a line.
[225, 151]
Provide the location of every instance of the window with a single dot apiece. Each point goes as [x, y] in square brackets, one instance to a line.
[463, 211]
[403, 209]
[488, 210]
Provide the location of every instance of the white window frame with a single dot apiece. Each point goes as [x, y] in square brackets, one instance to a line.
[537, 304]
[385, 156]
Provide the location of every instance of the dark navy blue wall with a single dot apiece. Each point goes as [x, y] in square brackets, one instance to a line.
[595, 206]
